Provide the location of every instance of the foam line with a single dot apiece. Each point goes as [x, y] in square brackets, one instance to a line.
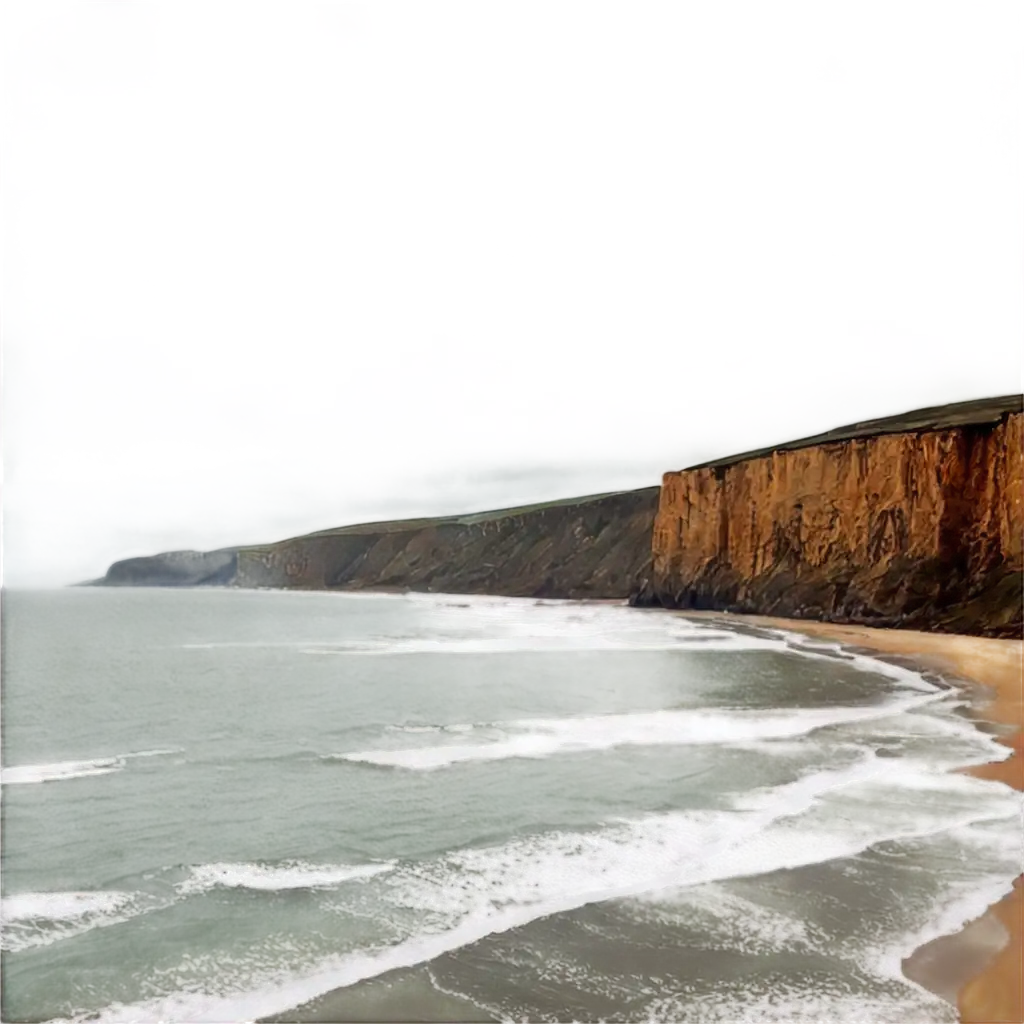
[466, 895]
[60, 771]
[540, 738]
[273, 878]
[40, 918]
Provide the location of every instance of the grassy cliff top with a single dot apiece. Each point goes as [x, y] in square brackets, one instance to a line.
[978, 412]
[471, 518]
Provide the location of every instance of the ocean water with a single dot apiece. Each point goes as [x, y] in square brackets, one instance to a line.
[221, 805]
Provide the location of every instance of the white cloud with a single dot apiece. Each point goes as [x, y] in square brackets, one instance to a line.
[268, 264]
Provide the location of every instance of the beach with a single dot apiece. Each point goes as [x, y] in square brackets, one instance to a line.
[980, 967]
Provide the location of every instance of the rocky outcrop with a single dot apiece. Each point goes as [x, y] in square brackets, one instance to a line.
[593, 547]
[912, 521]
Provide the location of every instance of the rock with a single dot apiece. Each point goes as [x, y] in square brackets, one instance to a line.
[913, 521]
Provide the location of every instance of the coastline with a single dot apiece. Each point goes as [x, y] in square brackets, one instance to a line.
[976, 969]
[979, 968]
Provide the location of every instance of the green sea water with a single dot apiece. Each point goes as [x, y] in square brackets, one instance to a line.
[220, 805]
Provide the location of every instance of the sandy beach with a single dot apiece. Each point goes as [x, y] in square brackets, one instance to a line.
[979, 968]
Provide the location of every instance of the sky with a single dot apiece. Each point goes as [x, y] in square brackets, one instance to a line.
[275, 267]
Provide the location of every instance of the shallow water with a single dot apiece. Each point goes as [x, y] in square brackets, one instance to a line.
[221, 804]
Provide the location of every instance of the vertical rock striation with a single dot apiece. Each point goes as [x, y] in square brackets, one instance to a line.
[915, 521]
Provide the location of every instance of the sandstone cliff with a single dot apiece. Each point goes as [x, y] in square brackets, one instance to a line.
[593, 547]
[913, 521]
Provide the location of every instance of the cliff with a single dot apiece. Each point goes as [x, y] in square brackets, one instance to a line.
[585, 547]
[914, 520]
[592, 547]
[172, 569]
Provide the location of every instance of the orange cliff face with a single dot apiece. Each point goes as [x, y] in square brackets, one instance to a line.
[920, 527]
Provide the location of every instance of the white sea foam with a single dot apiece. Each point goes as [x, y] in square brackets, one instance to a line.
[63, 770]
[537, 644]
[923, 783]
[465, 895]
[40, 918]
[60, 906]
[963, 904]
[60, 770]
[477, 626]
[539, 737]
[274, 877]
[599, 627]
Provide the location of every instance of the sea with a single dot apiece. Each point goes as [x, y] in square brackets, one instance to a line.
[229, 805]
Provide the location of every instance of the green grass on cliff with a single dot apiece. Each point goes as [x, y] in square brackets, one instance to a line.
[977, 412]
[466, 519]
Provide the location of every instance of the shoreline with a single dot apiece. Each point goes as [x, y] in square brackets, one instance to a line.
[978, 968]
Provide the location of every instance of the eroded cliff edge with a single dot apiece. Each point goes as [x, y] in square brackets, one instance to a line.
[914, 521]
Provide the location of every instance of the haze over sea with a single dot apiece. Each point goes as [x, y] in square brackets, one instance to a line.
[222, 804]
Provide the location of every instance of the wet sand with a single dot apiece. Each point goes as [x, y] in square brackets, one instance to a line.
[979, 968]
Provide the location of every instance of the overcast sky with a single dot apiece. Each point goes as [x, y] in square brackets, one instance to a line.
[274, 267]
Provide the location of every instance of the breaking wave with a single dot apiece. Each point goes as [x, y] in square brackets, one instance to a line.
[540, 738]
[465, 895]
[59, 771]
[40, 918]
[276, 877]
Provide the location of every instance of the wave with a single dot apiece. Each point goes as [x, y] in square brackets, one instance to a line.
[60, 770]
[276, 877]
[63, 770]
[465, 895]
[554, 644]
[59, 906]
[489, 624]
[38, 918]
[503, 627]
[541, 738]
